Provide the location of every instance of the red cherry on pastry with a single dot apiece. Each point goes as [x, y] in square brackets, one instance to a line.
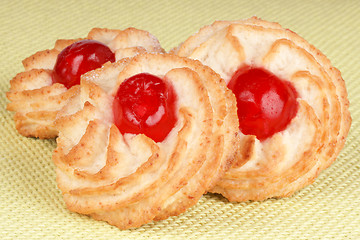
[145, 103]
[79, 58]
[266, 104]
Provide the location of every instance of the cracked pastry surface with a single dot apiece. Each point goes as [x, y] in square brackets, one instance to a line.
[129, 179]
[36, 99]
[292, 158]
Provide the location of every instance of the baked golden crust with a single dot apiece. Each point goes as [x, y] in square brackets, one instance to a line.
[129, 180]
[293, 158]
[36, 100]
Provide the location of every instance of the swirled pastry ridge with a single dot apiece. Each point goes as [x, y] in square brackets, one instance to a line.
[129, 179]
[34, 97]
[290, 159]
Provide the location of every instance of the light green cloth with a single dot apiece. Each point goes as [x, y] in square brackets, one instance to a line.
[31, 206]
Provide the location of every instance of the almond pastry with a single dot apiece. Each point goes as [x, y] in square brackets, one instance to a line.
[36, 96]
[293, 124]
[112, 171]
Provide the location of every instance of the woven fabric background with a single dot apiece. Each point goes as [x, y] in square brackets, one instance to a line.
[31, 206]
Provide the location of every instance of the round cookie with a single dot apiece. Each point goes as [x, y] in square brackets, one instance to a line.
[129, 179]
[291, 158]
[36, 98]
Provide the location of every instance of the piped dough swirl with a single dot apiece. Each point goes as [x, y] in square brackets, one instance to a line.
[34, 98]
[129, 180]
[294, 157]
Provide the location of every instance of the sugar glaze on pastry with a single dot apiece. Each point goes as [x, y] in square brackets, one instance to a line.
[130, 179]
[292, 158]
[36, 99]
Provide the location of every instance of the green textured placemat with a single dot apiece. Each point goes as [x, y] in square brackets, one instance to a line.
[31, 206]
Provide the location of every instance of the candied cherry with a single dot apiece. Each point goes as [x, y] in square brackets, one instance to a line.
[146, 104]
[79, 58]
[266, 104]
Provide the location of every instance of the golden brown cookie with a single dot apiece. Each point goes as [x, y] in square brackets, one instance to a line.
[36, 98]
[127, 178]
[277, 164]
